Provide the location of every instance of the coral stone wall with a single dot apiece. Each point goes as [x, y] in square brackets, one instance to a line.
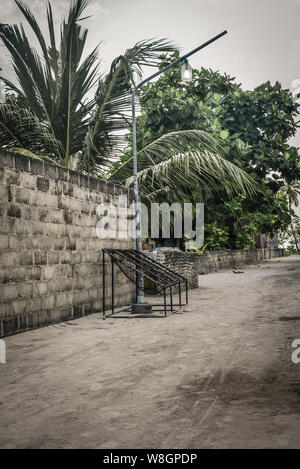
[191, 264]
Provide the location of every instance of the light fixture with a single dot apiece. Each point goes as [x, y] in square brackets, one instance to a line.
[186, 72]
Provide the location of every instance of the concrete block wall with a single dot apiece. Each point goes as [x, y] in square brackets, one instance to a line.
[50, 255]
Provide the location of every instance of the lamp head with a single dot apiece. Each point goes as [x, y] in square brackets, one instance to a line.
[186, 72]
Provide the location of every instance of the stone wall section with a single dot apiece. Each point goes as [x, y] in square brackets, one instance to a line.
[191, 264]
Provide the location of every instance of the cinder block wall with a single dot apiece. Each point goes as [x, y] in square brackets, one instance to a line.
[50, 256]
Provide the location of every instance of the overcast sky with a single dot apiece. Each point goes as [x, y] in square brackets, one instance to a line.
[263, 40]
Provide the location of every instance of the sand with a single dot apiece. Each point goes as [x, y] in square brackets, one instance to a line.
[218, 376]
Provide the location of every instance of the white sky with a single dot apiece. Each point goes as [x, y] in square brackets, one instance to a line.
[263, 41]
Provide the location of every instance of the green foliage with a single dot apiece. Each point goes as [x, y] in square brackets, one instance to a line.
[253, 127]
[264, 119]
[216, 238]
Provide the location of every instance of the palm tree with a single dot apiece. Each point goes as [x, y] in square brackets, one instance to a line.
[53, 113]
[291, 190]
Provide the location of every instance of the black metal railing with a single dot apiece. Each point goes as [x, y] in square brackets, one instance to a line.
[132, 262]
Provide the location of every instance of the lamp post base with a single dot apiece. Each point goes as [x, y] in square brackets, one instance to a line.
[141, 308]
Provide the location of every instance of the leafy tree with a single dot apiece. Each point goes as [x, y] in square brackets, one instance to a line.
[254, 128]
[254, 125]
[216, 238]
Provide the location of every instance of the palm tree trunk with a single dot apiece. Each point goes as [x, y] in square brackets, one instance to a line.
[292, 227]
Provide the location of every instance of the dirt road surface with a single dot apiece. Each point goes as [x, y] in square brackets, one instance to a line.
[218, 376]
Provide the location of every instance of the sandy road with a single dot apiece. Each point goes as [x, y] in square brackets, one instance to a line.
[219, 376]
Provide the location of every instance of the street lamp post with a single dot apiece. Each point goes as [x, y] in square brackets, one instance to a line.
[2, 92]
[186, 74]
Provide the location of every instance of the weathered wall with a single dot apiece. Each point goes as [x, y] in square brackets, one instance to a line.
[50, 256]
[191, 264]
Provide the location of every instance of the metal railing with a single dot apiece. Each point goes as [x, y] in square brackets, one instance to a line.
[134, 263]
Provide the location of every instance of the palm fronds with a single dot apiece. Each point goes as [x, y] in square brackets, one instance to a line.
[55, 84]
[20, 128]
[188, 160]
[112, 115]
[291, 190]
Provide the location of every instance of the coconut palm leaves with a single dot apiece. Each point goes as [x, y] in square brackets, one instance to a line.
[112, 113]
[180, 163]
[55, 86]
[291, 190]
[21, 129]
